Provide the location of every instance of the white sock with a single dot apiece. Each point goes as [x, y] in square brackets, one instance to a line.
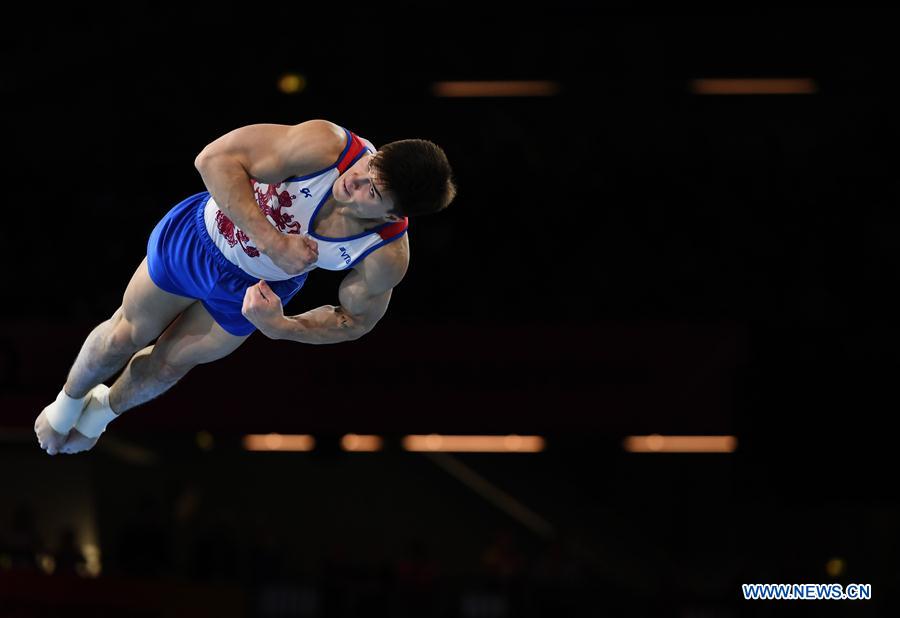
[63, 413]
[97, 415]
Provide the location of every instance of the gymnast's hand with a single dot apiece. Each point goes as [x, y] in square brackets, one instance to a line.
[294, 253]
[262, 307]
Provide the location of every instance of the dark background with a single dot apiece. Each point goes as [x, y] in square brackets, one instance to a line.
[624, 258]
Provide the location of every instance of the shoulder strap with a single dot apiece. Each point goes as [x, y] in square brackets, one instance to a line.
[394, 229]
[352, 152]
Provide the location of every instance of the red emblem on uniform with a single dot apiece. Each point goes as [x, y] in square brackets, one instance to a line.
[284, 221]
[275, 208]
[234, 235]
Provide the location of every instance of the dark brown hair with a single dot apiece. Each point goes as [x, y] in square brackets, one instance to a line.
[417, 174]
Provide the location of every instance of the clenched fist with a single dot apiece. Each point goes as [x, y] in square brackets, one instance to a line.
[294, 253]
[262, 307]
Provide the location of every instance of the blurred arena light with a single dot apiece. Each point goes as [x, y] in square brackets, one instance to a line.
[656, 443]
[279, 442]
[359, 443]
[754, 86]
[836, 567]
[46, 562]
[496, 89]
[291, 83]
[93, 566]
[474, 444]
[205, 441]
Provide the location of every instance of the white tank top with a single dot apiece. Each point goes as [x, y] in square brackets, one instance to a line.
[292, 206]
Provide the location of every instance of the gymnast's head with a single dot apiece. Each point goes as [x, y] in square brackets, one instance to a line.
[406, 178]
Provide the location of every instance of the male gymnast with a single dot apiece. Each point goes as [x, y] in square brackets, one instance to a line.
[280, 202]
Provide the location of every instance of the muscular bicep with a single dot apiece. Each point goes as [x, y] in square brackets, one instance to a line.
[366, 290]
[364, 305]
[272, 152]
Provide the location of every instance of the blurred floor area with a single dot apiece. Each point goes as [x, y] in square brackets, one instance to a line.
[331, 533]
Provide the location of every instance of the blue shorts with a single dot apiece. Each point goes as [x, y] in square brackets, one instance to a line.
[182, 259]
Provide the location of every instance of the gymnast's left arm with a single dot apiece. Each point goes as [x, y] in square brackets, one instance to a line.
[364, 295]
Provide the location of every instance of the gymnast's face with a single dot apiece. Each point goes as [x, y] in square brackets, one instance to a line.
[359, 190]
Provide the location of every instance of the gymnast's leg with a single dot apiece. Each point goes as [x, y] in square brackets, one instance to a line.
[145, 312]
[192, 339]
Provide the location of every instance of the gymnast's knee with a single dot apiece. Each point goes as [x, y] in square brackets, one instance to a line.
[122, 338]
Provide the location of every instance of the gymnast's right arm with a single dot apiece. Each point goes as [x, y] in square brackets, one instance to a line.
[269, 153]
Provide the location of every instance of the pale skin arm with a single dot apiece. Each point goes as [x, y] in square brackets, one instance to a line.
[269, 153]
[364, 295]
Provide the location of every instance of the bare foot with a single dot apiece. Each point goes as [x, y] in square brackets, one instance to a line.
[77, 442]
[49, 439]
